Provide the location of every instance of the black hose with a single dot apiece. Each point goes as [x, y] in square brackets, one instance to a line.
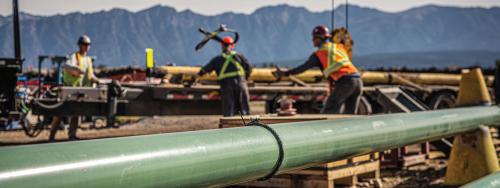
[49, 107]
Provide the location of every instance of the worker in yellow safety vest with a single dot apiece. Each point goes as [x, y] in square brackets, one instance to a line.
[344, 78]
[232, 70]
[77, 71]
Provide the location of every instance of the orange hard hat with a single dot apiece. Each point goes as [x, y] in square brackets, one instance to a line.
[228, 41]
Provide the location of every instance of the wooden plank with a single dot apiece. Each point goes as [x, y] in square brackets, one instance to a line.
[335, 173]
[349, 181]
[296, 179]
[273, 182]
[354, 170]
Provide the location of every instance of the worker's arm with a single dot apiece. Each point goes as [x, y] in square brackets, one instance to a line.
[72, 67]
[208, 68]
[93, 78]
[313, 61]
[246, 65]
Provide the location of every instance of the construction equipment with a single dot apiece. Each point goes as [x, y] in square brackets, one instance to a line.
[215, 36]
[10, 68]
[215, 158]
[434, 90]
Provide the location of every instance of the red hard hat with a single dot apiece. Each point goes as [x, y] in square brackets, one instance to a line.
[321, 31]
[228, 40]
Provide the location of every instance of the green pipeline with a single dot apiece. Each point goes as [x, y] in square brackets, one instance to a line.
[215, 158]
[491, 181]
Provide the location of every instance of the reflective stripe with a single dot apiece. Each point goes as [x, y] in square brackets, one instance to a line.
[332, 64]
[89, 64]
[230, 59]
[335, 67]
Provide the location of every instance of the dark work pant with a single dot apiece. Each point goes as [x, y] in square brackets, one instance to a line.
[234, 95]
[347, 91]
[74, 121]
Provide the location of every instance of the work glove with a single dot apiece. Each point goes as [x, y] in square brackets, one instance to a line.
[278, 74]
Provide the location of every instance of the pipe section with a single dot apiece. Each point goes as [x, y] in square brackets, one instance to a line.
[214, 158]
[490, 181]
[315, 75]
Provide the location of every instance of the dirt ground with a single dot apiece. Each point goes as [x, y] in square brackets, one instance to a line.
[424, 175]
[149, 125]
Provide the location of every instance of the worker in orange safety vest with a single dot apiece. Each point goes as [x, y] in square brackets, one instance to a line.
[344, 78]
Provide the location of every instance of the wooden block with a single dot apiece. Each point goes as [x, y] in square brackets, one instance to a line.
[354, 170]
[296, 182]
[325, 178]
[350, 181]
[273, 182]
[413, 160]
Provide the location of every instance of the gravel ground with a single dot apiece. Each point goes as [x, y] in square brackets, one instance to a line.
[155, 125]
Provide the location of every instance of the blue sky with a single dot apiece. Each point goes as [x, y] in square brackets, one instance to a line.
[212, 7]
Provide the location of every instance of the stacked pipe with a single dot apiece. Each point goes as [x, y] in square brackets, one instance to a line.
[313, 76]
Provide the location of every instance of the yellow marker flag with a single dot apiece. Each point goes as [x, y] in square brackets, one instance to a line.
[149, 58]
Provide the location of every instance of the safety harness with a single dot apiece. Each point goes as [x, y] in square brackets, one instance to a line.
[230, 59]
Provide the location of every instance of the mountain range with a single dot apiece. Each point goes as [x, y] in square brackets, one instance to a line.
[270, 34]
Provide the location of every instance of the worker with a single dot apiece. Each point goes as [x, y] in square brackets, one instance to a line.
[232, 70]
[343, 77]
[77, 72]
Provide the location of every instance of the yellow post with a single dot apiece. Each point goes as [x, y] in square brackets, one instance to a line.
[473, 155]
[473, 89]
[149, 58]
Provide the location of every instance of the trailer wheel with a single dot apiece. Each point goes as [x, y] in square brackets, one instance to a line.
[442, 99]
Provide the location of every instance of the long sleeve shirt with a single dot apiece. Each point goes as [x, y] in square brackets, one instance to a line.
[312, 62]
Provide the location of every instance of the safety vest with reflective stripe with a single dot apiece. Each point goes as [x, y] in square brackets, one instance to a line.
[335, 61]
[230, 59]
[70, 80]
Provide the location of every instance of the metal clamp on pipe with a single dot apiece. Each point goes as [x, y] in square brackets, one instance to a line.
[281, 154]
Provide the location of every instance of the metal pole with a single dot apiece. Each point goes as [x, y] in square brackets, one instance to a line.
[346, 15]
[333, 15]
[215, 158]
[17, 33]
[40, 61]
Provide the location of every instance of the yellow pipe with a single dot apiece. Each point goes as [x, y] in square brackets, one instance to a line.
[312, 76]
[258, 74]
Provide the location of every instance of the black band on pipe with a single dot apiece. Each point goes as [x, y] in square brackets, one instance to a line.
[281, 154]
